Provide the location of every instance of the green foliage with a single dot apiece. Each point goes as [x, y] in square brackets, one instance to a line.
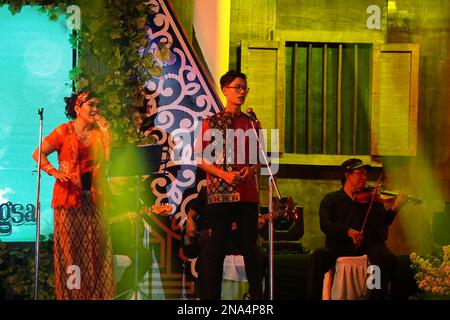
[51, 8]
[109, 64]
[111, 34]
[17, 268]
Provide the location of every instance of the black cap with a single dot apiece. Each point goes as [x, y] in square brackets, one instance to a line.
[353, 163]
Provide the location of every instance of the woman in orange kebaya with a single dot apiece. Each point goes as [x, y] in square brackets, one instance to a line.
[82, 249]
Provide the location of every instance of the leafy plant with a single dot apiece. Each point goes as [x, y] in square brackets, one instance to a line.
[17, 269]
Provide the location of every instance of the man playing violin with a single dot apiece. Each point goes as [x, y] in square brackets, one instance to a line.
[353, 228]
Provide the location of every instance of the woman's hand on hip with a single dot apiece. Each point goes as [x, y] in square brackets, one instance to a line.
[61, 176]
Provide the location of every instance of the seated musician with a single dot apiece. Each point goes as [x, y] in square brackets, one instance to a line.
[342, 219]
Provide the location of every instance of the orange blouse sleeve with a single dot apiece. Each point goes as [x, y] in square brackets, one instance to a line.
[55, 138]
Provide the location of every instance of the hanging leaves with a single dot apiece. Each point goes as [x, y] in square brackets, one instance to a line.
[109, 64]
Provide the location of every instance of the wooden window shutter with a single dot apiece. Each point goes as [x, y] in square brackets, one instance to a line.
[263, 63]
[395, 94]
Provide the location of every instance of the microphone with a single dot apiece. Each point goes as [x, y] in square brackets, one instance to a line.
[252, 114]
[102, 123]
[41, 113]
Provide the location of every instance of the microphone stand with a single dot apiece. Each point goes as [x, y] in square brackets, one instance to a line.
[272, 184]
[137, 224]
[38, 206]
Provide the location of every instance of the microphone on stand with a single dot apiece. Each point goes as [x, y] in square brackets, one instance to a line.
[272, 185]
[252, 115]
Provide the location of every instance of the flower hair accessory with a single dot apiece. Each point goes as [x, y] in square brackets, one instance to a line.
[81, 98]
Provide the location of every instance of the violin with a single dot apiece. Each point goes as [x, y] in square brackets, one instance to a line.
[381, 195]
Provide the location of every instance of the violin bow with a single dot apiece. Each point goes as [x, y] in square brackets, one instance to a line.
[377, 187]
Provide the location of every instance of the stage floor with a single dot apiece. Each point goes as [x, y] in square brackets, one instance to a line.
[290, 271]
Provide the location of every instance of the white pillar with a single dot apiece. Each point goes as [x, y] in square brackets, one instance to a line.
[212, 30]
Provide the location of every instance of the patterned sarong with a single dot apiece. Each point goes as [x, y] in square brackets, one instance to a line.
[83, 247]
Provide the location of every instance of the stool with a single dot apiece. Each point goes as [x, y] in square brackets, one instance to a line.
[234, 283]
[348, 281]
[121, 262]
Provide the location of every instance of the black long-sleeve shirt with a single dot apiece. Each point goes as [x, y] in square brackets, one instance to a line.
[338, 213]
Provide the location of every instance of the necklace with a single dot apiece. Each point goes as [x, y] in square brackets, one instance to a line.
[83, 138]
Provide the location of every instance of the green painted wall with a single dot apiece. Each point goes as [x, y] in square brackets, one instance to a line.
[184, 10]
[250, 20]
[428, 174]
[323, 15]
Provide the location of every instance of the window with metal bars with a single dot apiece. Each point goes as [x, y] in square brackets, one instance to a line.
[328, 98]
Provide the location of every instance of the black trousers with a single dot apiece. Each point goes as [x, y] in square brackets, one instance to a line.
[219, 217]
[323, 259]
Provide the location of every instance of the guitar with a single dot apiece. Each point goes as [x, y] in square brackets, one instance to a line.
[192, 245]
[162, 209]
